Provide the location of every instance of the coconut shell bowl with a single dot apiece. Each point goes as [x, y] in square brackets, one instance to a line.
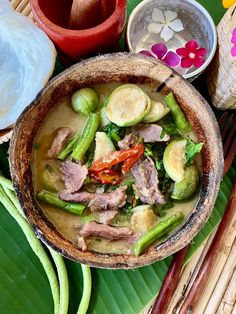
[115, 68]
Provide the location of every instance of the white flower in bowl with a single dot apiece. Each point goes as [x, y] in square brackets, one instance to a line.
[166, 24]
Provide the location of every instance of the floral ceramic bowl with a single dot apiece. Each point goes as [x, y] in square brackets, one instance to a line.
[180, 33]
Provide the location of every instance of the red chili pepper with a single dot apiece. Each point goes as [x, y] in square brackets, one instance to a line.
[107, 176]
[114, 158]
[130, 161]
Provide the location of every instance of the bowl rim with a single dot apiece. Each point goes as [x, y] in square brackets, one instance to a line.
[40, 224]
[71, 33]
[196, 4]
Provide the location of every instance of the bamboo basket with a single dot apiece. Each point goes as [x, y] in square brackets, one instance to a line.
[221, 78]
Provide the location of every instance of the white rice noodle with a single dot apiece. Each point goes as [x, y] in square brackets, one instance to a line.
[27, 60]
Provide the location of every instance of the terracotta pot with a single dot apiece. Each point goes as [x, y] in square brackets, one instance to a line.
[124, 68]
[53, 18]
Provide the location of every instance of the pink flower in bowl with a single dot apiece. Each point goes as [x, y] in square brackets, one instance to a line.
[160, 52]
[192, 55]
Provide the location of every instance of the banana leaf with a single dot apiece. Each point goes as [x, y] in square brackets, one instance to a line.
[24, 288]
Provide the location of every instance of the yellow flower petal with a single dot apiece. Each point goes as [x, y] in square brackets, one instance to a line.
[227, 3]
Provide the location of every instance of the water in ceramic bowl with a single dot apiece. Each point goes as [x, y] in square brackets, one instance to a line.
[180, 33]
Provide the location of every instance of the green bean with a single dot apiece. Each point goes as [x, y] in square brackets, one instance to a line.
[69, 148]
[63, 281]
[36, 246]
[179, 117]
[59, 262]
[53, 199]
[87, 282]
[61, 299]
[86, 137]
[159, 230]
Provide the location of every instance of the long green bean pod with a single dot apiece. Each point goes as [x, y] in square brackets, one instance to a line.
[36, 246]
[179, 117]
[63, 281]
[158, 231]
[87, 282]
[86, 137]
[52, 199]
[69, 148]
[60, 296]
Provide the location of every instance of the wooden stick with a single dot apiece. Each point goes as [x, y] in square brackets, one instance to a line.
[234, 309]
[228, 302]
[22, 5]
[169, 285]
[219, 262]
[188, 275]
[205, 270]
[216, 272]
[32, 16]
[223, 281]
[27, 10]
[15, 3]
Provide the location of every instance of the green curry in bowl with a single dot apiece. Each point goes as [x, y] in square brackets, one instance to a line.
[115, 168]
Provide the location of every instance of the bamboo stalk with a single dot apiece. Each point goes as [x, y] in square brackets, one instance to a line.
[218, 245]
[169, 284]
[188, 275]
[27, 10]
[32, 17]
[15, 3]
[228, 303]
[223, 281]
[234, 309]
[22, 6]
[217, 268]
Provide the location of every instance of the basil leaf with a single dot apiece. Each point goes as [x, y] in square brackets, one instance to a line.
[114, 132]
[191, 149]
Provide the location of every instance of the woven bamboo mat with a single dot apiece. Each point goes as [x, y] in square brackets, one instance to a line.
[220, 292]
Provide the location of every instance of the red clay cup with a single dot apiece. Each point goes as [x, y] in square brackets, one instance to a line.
[52, 17]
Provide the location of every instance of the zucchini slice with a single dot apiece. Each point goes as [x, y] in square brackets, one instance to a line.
[104, 119]
[174, 159]
[128, 105]
[186, 188]
[157, 112]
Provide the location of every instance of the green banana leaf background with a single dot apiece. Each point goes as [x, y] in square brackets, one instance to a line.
[24, 287]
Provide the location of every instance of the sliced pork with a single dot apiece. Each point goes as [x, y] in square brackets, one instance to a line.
[128, 141]
[93, 229]
[62, 134]
[73, 175]
[98, 202]
[146, 182]
[150, 133]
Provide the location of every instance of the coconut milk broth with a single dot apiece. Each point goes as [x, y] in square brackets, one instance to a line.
[63, 115]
